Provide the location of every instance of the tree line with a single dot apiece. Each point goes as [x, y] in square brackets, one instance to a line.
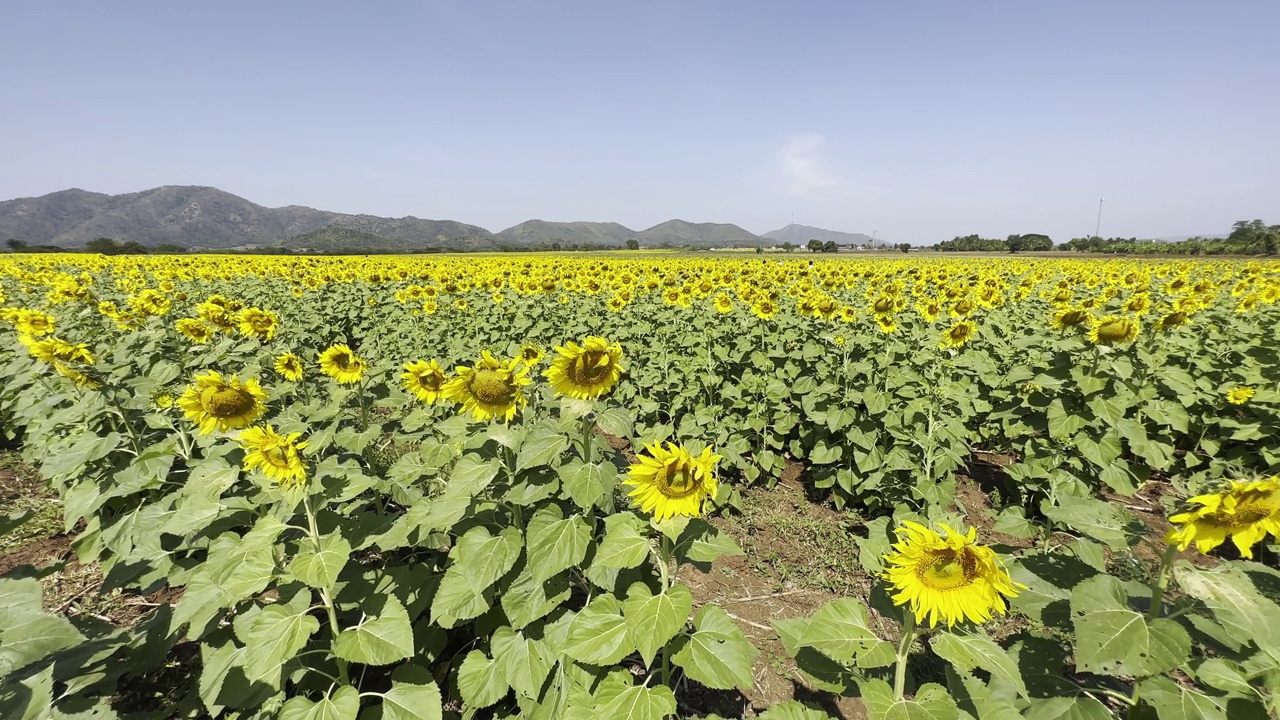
[1248, 237]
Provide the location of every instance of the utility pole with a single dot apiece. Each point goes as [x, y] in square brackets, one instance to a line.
[1098, 228]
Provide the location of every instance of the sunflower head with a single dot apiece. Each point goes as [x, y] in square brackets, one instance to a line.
[289, 366]
[586, 371]
[217, 403]
[490, 389]
[343, 365]
[1171, 320]
[1066, 317]
[424, 379]
[765, 309]
[257, 323]
[278, 456]
[530, 355]
[33, 323]
[958, 334]
[886, 323]
[1245, 512]
[195, 330]
[1113, 330]
[723, 303]
[946, 577]
[1239, 394]
[668, 481]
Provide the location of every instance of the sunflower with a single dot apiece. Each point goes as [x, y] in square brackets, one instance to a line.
[670, 482]
[56, 351]
[344, 366]
[586, 371]
[1171, 320]
[289, 366]
[1245, 512]
[1066, 317]
[1113, 329]
[1239, 394]
[948, 578]
[723, 303]
[150, 302]
[530, 355]
[958, 334]
[886, 323]
[616, 303]
[424, 379]
[33, 323]
[276, 455]
[765, 309]
[258, 323]
[489, 389]
[195, 330]
[429, 307]
[215, 403]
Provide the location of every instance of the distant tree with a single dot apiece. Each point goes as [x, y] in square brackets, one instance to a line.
[169, 248]
[105, 246]
[1033, 242]
[555, 246]
[815, 245]
[759, 251]
[633, 244]
[830, 246]
[15, 244]
[789, 247]
[904, 247]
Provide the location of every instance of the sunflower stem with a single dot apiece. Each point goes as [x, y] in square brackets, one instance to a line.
[1160, 582]
[324, 593]
[588, 426]
[904, 649]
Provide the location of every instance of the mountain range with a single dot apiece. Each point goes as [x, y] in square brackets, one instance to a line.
[206, 218]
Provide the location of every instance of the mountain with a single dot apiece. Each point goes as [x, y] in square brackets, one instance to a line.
[206, 217]
[679, 232]
[541, 232]
[802, 234]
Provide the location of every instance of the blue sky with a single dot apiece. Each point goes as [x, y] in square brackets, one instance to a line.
[918, 120]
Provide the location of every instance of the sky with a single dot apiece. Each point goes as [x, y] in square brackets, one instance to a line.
[918, 121]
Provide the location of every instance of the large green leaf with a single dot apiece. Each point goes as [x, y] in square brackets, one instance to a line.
[541, 447]
[556, 543]
[971, 651]
[635, 702]
[343, 704]
[793, 710]
[27, 636]
[1111, 638]
[475, 564]
[1246, 614]
[1102, 521]
[652, 620]
[480, 680]
[931, 702]
[410, 701]
[584, 483]
[718, 654]
[520, 660]
[275, 636]
[839, 630]
[318, 566]
[1068, 708]
[598, 634]
[381, 640]
[624, 545]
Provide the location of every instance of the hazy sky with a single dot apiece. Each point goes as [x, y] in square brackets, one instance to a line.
[919, 120]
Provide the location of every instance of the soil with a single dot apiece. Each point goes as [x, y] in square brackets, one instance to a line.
[799, 556]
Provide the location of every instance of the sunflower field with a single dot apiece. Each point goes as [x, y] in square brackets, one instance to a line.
[482, 486]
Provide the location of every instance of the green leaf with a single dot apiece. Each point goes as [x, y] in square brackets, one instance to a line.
[18, 594]
[702, 542]
[1246, 614]
[931, 702]
[555, 543]
[616, 422]
[1100, 520]
[634, 702]
[1112, 639]
[623, 546]
[471, 475]
[1175, 702]
[520, 661]
[343, 704]
[968, 652]
[480, 680]
[526, 600]
[793, 710]
[839, 630]
[275, 636]
[584, 483]
[1068, 708]
[319, 566]
[408, 701]
[1012, 521]
[717, 655]
[477, 562]
[598, 634]
[542, 446]
[382, 640]
[28, 636]
[652, 620]
[825, 454]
